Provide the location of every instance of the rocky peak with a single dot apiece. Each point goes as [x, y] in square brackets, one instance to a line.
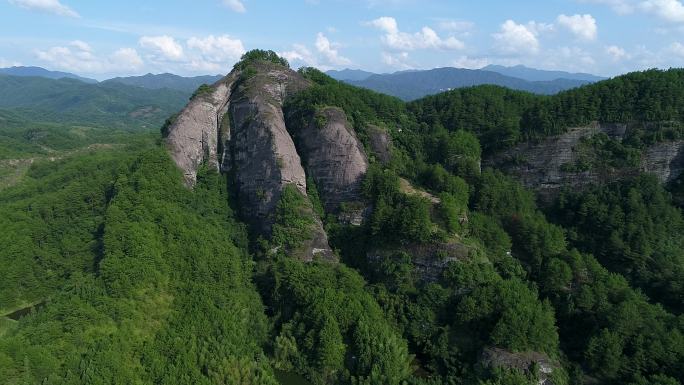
[237, 126]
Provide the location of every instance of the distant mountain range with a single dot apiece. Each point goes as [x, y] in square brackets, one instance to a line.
[151, 81]
[107, 104]
[43, 73]
[350, 75]
[535, 75]
[415, 84]
[406, 85]
[170, 81]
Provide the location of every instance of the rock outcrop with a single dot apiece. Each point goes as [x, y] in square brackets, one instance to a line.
[524, 362]
[665, 160]
[237, 126]
[334, 157]
[544, 167]
[380, 143]
[428, 260]
[193, 137]
[264, 157]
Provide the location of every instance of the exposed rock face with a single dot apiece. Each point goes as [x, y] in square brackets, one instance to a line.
[334, 157]
[264, 155]
[665, 160]
[193, 138]
[239, 128]
[380, 143]
[525, 362]
[540, 165]
[429, 260]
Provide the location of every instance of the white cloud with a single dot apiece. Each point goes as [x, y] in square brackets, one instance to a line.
[163, 45]
[621, 7]
[538, 28]
[235, 5]
[517, 38]
[569, 59]
[329, 51]
[213, 53]
[46, 6]
[128, 58]
[217, 48]
[669, 10]
[456, 25]
[426, 38]
[397, 60]
[676, 49]
[325, 56]
[387, 24]
[470, 63]
[617, 53]
[8, 63]
[300, 53]
[583, 26]
[81, 45]
[79, 57]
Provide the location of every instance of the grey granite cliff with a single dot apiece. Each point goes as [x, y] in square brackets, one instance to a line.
[547, 166]
[237, 127]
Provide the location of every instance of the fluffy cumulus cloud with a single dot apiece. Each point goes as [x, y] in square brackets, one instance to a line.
[456, 25]
[329, 51]
[8, 63]
[79, 57]
[299, 53]
[46, 6]
[164, 46]
[470, 62]
[582, 26]
[325, 56]
[426, 38]
[676, 49]
[620, 6]
[235, 5]
[198, 54]
[669, 10]
[514, 38]
[217, 48]
[616, 53]
[398, 60]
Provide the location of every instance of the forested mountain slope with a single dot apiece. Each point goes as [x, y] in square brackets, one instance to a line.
[291, 223]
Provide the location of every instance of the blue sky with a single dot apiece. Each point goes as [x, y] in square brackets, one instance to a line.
[102, 39]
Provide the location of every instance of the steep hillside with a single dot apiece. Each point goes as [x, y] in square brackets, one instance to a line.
[412, 85]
